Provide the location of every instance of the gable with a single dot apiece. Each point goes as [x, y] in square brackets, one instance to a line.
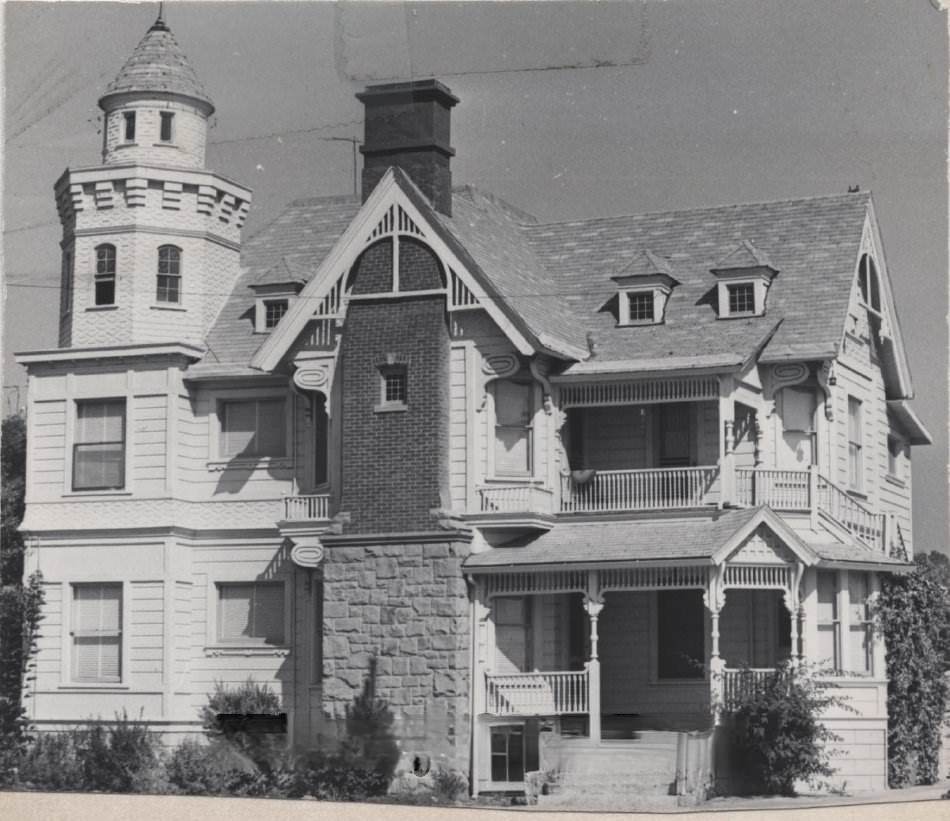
[762, 547]
[387, 215]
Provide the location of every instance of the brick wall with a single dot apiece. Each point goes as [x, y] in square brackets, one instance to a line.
[395, 464]
[406, 606]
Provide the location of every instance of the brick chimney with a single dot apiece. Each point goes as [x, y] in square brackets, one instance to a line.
[408, 124]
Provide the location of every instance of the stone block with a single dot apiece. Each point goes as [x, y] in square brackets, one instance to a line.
[371, 614]
[435, 551]
[423, 606]
[444, 642]
[399, 667]
[437, 625]
[336, 647]
[335, 610]
[418, 666]
[386, 568]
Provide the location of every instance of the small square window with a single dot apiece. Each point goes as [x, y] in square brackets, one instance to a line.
[741, 298]
[641, 307]
[165, 132]
[274, 310]
[251, 613]
[394, 386]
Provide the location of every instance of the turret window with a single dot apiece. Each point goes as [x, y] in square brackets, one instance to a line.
[105, 275]
[166, 133]
[169, 275]
[129, 126]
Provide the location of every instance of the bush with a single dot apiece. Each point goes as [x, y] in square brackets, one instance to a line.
[777, 736]
[337, 778]
[266, 751]
[370, 743]
[53, 761]
[448, 785]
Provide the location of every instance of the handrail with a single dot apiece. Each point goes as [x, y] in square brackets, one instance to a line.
[861, 521]
[649, 489]
[779, 489]
[514, 499]
[549, 693]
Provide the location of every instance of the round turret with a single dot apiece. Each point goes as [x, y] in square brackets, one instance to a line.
[156, 110]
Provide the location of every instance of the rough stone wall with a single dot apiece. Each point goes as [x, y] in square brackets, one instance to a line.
[406, 606]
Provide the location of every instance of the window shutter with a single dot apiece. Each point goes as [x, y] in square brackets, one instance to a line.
[97, 632]
[237, 435]
[270, 429]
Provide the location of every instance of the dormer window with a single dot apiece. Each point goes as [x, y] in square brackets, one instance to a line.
[276, 289]
[274, 310]
[644, 288]
[745, 275]
[129, 126]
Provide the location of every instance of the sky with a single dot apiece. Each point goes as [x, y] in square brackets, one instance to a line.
[568, 110]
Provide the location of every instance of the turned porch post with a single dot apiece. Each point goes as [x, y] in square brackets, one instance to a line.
[727, 461]
[593, 604]
[715, 599]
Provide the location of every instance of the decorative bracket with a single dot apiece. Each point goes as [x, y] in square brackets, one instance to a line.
[785, 375]
[826, 379]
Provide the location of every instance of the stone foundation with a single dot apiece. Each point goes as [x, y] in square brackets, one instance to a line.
[403, 609]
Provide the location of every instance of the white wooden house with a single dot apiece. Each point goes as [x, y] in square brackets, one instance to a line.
[552, 483]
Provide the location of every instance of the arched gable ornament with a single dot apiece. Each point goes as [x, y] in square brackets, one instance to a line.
[785, 375]
[497, 366]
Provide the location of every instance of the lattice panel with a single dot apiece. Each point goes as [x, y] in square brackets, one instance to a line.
[460, 297]
[332, 303]
[653, 578]
[553, 581]
[751, 576]
[394, 221]
[639, 393]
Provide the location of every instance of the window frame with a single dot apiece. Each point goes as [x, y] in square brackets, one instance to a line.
[855, 444]
[747, 292]
[66, 292]
[129, 126]
[169, 118]
[218, 452]
[862, 628]
[170, 257]
[69, 672]
[832, 625]
[216, 624]
[637, 300]
[529, 428]
[390, 375]
[74, 444]
[106, 267]
[271, 322]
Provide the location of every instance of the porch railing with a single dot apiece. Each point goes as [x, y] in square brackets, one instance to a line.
[740, 684]
[779, 489]
[554, 693]
[307, 508]
[841, 506]
[514, 499]
[655, 489]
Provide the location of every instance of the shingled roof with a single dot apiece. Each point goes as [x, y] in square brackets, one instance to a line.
[556, 277]
[158, 64]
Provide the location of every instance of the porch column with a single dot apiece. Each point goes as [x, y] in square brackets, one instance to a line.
[715, 599]
[593, 609]
[726, 443]
[813, 495]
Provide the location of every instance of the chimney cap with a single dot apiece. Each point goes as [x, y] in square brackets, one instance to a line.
[415, 90]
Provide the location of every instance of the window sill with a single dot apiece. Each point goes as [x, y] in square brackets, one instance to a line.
[857, 494]
[178, 308]
[894, 480]
[112, 307]
[639, 322]
[390, 407]
[262, 463]
[278, 650]
[743, 315]
[115, 686]
[168, 144]
[94, 493]
[514, 480]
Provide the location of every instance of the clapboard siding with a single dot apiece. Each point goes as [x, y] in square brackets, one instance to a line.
[47, 450]
[146, 634]
[49, 643]
[147, 438]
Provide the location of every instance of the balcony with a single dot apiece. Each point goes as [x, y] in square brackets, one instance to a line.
[309, 508]
[538, 694]
[615, 491]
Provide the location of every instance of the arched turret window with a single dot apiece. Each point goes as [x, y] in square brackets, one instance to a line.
[104, 280]
[169, 275]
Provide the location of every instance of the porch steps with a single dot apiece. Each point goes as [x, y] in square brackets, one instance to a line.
[635, 771]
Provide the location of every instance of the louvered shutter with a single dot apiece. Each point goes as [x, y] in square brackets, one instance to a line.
[97, 632]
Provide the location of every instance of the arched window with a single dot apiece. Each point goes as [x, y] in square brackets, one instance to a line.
[169, 275]
[514, 434]
[868, 283]
[104, 280]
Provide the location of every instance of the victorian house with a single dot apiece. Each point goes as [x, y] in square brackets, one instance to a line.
[551, 485]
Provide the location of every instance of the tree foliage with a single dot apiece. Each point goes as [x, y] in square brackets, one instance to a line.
[913, 612]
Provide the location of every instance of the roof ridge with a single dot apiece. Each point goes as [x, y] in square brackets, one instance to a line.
[866, 195]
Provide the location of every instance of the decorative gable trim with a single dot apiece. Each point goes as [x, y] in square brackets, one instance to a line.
[387, 211]
[770, 522]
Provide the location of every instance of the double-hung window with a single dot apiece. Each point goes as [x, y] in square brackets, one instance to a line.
[855, 445]
[859, 628]
[513, 428]
[169, 275]
[97, 633]
[99, 445]
[253, 428]
[251, 612]
[741, 298]
[105, 275]
[166, 132]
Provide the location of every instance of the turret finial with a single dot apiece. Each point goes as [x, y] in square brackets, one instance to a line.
[159, 24]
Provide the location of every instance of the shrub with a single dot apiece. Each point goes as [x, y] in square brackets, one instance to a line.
[448, 785]
[266, 751]
[777, 736]
[53, 761]
[199, 768]
[337, 778]
[913, 613]
[370, 743]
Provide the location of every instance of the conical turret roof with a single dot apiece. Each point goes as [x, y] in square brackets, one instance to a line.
[158, 65]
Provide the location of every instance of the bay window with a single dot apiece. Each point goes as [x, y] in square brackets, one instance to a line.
[99, 445]
[252, 428]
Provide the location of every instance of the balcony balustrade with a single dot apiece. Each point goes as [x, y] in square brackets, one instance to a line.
[610, 491]
[514, 499]
[538, 694]
[738, 685]
[309, 508]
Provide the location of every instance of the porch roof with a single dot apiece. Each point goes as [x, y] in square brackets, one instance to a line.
[696, 537]
[838, 553]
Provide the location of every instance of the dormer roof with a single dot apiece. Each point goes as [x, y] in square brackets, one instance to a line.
[286, 272]
[158, 66]
[646, 269]
[745, 258]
